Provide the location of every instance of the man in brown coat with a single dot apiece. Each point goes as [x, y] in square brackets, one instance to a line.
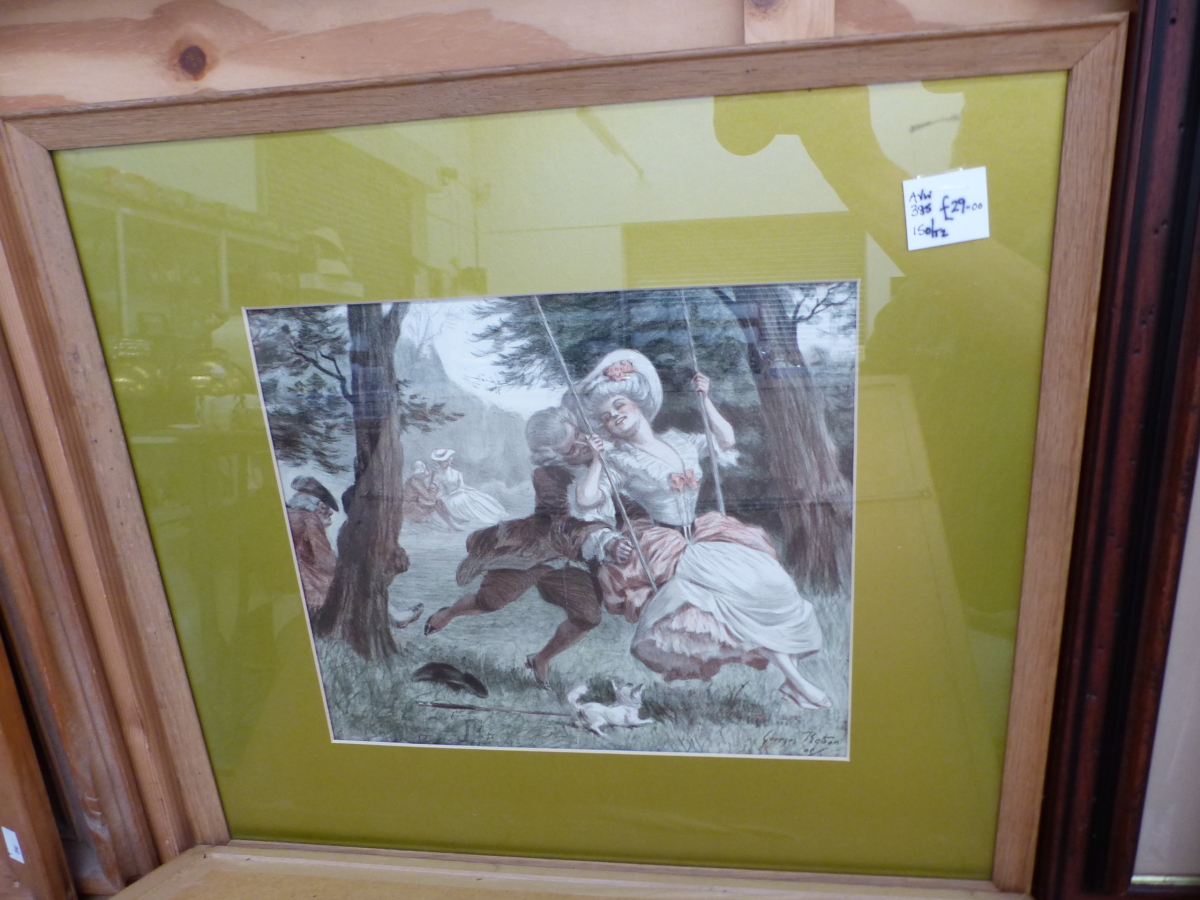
[552, 550]
[309, 512]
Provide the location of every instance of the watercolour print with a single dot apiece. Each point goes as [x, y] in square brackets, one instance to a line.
[617, 521]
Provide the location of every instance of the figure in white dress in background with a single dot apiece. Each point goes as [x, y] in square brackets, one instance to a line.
[722, 595]
[466, 506]
[422, 498]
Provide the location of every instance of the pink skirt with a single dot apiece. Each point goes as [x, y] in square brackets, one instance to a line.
[695, 626]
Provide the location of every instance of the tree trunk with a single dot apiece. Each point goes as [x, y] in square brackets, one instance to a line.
[369, 552]
[817, 500]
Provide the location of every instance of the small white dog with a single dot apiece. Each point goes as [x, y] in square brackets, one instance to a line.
[622, 714]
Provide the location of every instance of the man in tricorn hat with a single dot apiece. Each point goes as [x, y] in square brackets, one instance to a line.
[309, 512]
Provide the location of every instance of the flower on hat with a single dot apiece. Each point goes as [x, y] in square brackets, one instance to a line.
[618, 370]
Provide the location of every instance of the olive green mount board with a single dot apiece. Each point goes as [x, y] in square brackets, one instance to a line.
[177, 238]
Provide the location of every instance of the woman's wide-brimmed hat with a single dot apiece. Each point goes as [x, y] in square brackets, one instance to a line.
[613, 371]
[441, 455]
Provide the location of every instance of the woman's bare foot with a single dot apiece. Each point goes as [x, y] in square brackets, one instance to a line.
[796, 687]
[815, 698]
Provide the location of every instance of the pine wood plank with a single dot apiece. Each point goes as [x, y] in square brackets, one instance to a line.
[52, 337]
[768, 21]
[1089, 134]
[248, 870]
[75, 52]
[842, 61]
[873, 17]
[284, 850]
[88, 51]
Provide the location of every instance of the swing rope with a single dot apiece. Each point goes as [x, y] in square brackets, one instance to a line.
[712, 444]
[586, 429]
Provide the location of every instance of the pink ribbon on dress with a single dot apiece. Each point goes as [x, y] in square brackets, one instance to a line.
[687, 480]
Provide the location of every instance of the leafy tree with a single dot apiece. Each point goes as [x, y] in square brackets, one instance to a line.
[742, 335]
[818, 502]
[297, 352]
[587, 326]
[830, 302]
[342, 359]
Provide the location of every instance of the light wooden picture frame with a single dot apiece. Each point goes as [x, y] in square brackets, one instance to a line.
[51, 336]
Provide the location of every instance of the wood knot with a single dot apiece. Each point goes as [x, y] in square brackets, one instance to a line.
[193, 61]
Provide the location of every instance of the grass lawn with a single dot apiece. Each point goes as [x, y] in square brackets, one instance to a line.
[739, 712]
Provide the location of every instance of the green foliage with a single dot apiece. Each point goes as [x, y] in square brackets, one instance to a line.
[297, 352]
[302, 354]
[309, 421]
[834, 304]
[587, 326]
[739, 711]
[293, 339]
[420, 414]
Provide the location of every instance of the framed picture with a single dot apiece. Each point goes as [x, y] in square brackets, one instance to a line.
[574, 461]
[613, 505]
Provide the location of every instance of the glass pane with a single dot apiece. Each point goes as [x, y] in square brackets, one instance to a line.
[799, 189]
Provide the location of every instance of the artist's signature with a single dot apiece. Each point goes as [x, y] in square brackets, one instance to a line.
[812, 743]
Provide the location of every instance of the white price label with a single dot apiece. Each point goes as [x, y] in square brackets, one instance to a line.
[13, 845]
[946, 209]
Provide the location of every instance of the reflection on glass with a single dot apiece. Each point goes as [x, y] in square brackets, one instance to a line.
[177, 239]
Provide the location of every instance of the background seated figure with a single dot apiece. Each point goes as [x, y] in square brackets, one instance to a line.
[421, 497]
[465, 505]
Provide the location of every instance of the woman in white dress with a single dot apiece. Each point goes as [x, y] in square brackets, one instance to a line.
[466, 506]
[719, 594]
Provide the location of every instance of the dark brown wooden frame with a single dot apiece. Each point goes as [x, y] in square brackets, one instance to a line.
[1139, 469]
[96, 537]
